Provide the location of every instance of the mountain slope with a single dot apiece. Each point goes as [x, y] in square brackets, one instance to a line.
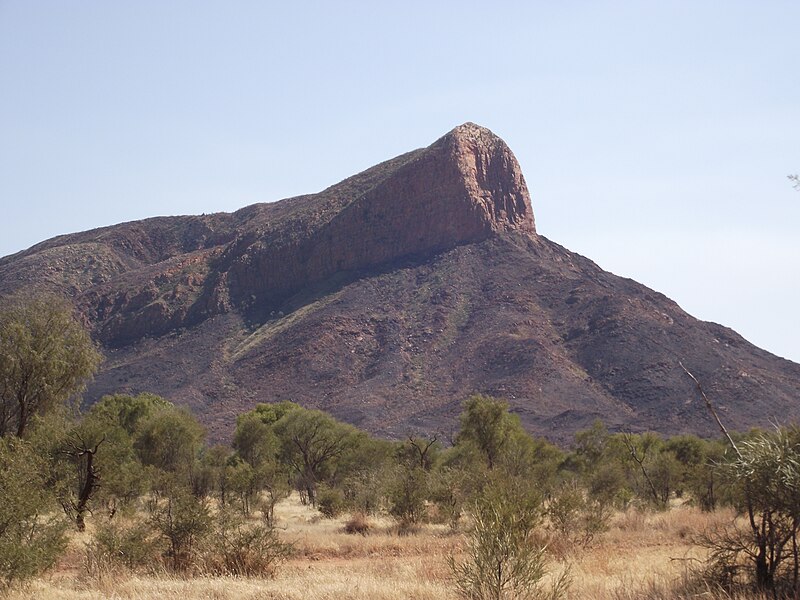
[388, 299]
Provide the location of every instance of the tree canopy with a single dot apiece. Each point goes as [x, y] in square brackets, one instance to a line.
[46, 358]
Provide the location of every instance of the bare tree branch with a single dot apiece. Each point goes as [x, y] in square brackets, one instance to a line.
[712, 411]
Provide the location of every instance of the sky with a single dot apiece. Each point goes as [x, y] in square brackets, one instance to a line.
[655, 137]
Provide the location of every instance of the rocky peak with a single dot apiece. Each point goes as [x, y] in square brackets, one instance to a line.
[492, 177]
[463, 188]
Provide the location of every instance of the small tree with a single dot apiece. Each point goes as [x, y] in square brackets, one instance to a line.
[126, 412]
[767, 473]
[408, 491]
[170, 439]
[46, 357]
[409, 486]
[183, 521]
[111, 425]
[658, 469]
[254, 440]
[273, 481]
[419, 452]
[767, 470]
[255, 443]
[575, 517]
[450, 489]
[241, 484]
[311, 444]
[82, 454]
[485, 423]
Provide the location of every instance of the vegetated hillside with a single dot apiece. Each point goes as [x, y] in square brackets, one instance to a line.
[388, 299]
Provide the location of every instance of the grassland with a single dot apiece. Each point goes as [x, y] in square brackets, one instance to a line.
[642, 555]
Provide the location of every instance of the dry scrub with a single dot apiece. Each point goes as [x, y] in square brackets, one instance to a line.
[643, 555]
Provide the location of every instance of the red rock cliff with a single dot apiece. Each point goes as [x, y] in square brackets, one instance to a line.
[463, 188]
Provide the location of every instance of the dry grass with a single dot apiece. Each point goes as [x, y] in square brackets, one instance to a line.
[642, 556]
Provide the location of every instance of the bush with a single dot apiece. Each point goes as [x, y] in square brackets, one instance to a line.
[236, 548]
[451, 487]
[766, 470]
[132, 545]
[29, 542]
[358, 524]
[574, 518]
[364, 492]
[330, 502]
[502, 560]
[183, 521]
[407, 495]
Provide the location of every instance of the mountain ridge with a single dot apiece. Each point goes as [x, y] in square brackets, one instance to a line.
[390, 297]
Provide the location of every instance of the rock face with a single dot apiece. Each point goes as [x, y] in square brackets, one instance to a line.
[463, 188]
[389, 298]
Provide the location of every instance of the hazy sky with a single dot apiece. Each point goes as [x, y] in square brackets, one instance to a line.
[655, 137]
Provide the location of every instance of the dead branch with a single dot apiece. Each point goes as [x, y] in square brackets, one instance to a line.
[712, 411]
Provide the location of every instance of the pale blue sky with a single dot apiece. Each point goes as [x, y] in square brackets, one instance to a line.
[655, 136]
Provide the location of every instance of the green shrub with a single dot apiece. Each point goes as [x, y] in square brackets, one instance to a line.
[576, 518]
[330, 502]
[133, 545]
[407, 495]
[183, 521]
[238, 548]
[364, 492]
[502, 561]
[766, 471]
[30, 542]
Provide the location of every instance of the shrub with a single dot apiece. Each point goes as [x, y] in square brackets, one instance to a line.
[451, 487]
[766, 470]
[236, 548]
[330, 502]
[502, 560]
[574, 518]
[407, 495]
[364, 492]
[358, 524]
[29, 542]
[274, 484]
[183, 521]
[132, 545]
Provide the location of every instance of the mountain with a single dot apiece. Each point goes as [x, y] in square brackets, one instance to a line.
[388, 299]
